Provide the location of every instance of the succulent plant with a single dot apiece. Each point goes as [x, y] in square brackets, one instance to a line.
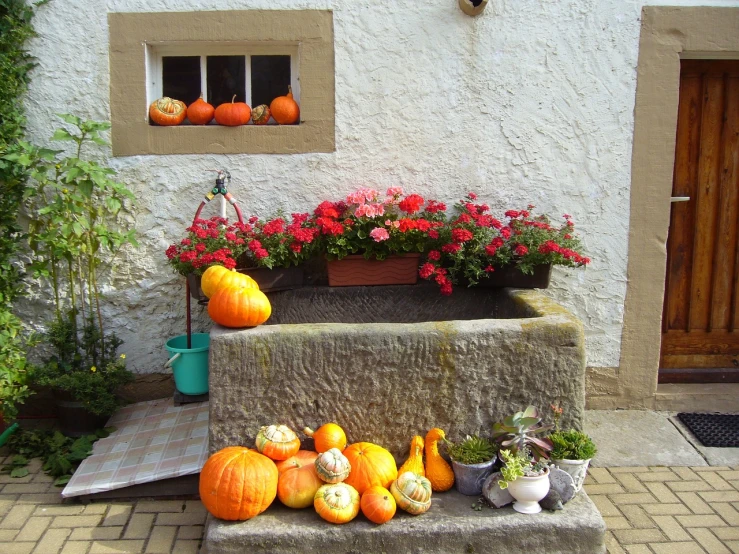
[472, 450]
[518, 464]
[572, 445]
[517, 432]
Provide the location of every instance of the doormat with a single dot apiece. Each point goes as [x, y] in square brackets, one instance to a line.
[716, 430]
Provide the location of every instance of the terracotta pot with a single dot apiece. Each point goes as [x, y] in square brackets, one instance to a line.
[510, 276]
[357, 271]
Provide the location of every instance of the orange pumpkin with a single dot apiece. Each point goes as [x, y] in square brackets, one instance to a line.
[200, 112]
[327, 436]
[237, 483]
[217, 276]
[167, 111]
[337, 502]
[285, 109]
[371, 465]
[277, 442]
[298, 481]
[233, 114]
[378, 505]
[261, 114]
[238, 306]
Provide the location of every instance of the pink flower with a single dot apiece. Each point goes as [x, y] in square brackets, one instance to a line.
[369, 210]
[395, 191]
[379, 234]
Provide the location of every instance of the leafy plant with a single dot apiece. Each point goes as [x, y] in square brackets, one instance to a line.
[518, 464]
[472, 450]
[572, 445]
[517, 432]
[60, 454]
[13, 365]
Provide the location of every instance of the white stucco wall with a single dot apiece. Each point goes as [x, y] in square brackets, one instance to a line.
[532, 102]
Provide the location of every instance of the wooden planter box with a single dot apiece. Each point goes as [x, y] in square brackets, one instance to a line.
[511, 276]
[357, 271]
[269, 280]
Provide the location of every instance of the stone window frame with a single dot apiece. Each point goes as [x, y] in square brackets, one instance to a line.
[132, 33]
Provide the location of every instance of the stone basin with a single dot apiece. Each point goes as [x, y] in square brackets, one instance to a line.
[387, 363]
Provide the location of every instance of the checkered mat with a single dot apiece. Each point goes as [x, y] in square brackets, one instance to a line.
[153, 441]
[717, 430]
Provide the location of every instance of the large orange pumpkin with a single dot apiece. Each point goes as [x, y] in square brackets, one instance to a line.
[327, 436]
[237, 483]
[200, 112]
[378, 504]
[233, 113]
[167, 111]
[371, 465]
[337, 502]
[217, 276]
[298, 481]
[237, 306]
[285, 109]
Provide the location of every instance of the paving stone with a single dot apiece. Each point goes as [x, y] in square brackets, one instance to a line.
[618, 522]
[70, 510]
[686, 473]
[671, 528]
[637, 549]
[26, 488]
[689, 486]
[76, 547]
[194, 532]
[708, 541]
[181, 519]
[637, 517]
[6, 479]
[601, 475]
[186, 547]
[96, 533]
[117, 514]
[52, 542]
[733, 546]
[7, 535]
[726, 511]
[658, 476]
[92, 509]
[76, 521]
[17, 517]
[688, 547]
[695, 503]
[139, 527]
[33, 529]
[40, 498]
[630, 483]
[43, 478]
[716, 481]
[5, 506]
[632, 536]
[728, 475]
[662, 493]
[667, 509]
[613, 488]
[632, 498]
[711, 468]
[726, 533]
[160, 540]
[701, 521]
[612, 544]
[635, 469]
[160, 506]
[116, 547]
[605, 506]
[720, 496]
[195, 507]
[16, 547]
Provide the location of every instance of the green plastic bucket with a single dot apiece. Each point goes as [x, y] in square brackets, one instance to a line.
[189, 365]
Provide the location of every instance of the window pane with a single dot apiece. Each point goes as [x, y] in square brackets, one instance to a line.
[270, 77]
[226, 77]
[181, 78]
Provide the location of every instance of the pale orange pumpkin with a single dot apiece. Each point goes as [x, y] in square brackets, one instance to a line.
[327, 436]
[237, 306]
[167, 111]
[337, 502]
[371, 465]
[298, 481]
[285, 109]
[412, 493]
[237, 483]
[301, 458]
[233, 113]
[217, 276]
[200, 112]
[378, 505]
[277, 442]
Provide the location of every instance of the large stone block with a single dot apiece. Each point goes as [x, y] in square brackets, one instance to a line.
[387, 363]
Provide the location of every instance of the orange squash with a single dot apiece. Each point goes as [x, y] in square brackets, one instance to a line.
[378, 505]
[414, 462]
[217, 276]
[371, 465]
[298, 481]
[301, 458]
[200, 112]
[438, 470]
[233, 114]
[285, 109]
[237, 306]
[277, 442]
[238, 483]
[337, 502]
[167, 111]
[327, 436]
[412, 493]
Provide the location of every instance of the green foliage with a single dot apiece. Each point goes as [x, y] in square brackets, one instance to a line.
[572, 445]
[472, 450]
[13, 366]
[518, 464]
[60, 454]
[517, 432]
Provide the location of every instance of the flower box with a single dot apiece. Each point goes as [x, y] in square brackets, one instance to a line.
[511, 276]
[279, 278]
[355, 270]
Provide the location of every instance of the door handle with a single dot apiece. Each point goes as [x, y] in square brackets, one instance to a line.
[679, 199]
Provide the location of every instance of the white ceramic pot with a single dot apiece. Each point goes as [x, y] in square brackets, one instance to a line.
[527, 491]
[578, 470]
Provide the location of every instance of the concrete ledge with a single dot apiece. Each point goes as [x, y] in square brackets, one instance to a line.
[450, 526]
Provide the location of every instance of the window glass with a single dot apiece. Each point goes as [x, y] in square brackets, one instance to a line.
[181, 78]
[270, 77]
[226, 77]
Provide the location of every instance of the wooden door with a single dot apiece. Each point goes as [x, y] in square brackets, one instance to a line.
[700, 322]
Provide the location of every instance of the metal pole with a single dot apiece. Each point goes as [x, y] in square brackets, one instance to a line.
[189, 317]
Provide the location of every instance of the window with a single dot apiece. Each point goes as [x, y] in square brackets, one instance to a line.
[255, 74]
[255, 55]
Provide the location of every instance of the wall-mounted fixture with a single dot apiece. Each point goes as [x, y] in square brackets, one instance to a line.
[473, 7]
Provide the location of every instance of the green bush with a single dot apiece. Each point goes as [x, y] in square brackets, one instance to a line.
[572, 445]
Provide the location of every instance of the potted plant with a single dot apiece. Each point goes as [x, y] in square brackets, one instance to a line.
[572, 452]
[527, 480]
[477, 249]
[472, 461]
[371, 240]
[518, 433]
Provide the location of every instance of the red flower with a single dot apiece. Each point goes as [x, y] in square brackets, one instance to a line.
[506, 232]
[489, 269]
[260, 253]
[201, 233]
[254, 245]
[326, 209]
[296, 247]
[411, 204]
[433, 207]
[407, 225]
[186, 242]
[451, 248]
[513, 214]
[461, 235]
[229, 263]
[274, 227]
[200, 247]
[446, 288]
[472, 196]
[521, 250]
[434, 255]
[433, 234]
[231, 236]
[497, 242]
[490, 250]
[426, 271]
[171, 252]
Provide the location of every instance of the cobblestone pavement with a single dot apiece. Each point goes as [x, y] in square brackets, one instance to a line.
[647, 509]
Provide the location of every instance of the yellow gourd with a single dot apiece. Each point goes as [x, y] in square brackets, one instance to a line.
[438, 470]
[414, 462]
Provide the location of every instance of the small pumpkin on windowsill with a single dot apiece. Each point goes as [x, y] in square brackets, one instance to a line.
[285, 109]
[167, 111]
[200, 112]
[233, 113]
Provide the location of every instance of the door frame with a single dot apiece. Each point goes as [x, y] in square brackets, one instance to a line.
[667, 35]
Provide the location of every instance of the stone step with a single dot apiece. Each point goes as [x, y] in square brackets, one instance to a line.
[450, 526]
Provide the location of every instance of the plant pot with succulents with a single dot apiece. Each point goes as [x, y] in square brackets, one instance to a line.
[472, 461]
[527, 480]
[572, 452]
